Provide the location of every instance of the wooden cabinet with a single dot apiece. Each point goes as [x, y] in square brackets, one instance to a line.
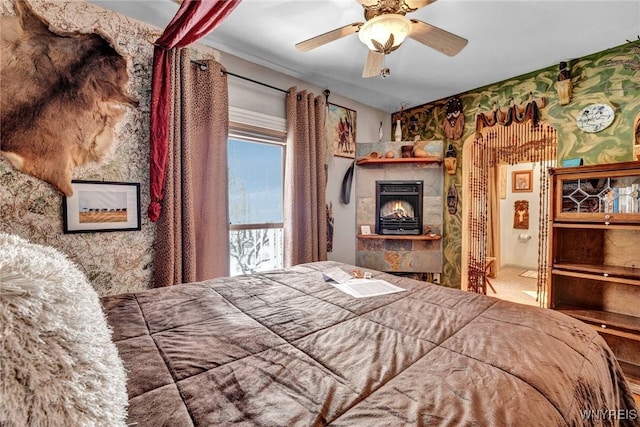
[595, 254]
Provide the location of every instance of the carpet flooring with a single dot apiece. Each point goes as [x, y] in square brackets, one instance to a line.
[511, 285]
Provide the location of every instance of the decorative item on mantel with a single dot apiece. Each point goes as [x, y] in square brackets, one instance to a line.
[428, 149]
[563, 85]
[407, 151]
[453, 125]
[418, 148]
[398, 133]
[450, 160]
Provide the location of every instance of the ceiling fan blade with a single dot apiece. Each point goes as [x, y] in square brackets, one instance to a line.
[374, 63]
[330, 36]
[437, 38]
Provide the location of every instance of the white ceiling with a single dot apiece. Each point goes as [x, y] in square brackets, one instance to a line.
[507, 38]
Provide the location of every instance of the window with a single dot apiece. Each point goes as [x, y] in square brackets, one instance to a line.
[256, 167]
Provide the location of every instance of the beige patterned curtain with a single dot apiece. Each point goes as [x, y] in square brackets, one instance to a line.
[305, 225]
[192, 241]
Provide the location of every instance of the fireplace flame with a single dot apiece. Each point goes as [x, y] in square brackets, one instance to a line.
[396, 209]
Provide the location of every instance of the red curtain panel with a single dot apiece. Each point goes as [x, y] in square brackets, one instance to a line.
[194, 20]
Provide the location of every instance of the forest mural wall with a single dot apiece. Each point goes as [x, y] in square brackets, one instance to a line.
[610, 77]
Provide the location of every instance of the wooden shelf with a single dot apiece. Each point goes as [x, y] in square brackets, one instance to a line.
[601, 270]
[590, 276]
[632, 374]
[629, 324]
[399, 236]
[367, 161]
[596, 226]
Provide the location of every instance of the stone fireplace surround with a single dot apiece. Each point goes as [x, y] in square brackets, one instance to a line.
[393, 253]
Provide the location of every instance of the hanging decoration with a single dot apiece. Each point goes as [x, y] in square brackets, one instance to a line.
[453, 124]
[521, 214]
[564, 86]
[330, 224]
[513, 114]
[452, 199]
[636, 138]
[347, 181]
[521, 138]
[450, 160]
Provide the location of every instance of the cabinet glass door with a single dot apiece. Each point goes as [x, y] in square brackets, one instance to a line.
[613, 195]
[599, 198]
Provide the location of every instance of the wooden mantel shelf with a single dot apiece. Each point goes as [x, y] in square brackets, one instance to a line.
[369, 161]
[400, 236]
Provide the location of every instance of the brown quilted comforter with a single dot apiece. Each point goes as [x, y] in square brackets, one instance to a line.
[287, 349]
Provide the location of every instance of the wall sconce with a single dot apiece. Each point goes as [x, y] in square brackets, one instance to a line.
[450, 160]
[564, 85]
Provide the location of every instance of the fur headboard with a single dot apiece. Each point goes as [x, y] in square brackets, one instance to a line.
[58, 363]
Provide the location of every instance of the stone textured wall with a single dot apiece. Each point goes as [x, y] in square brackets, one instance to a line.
[396, 255]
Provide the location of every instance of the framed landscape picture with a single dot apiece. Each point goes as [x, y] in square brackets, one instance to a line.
[342, 131]
[101, 206]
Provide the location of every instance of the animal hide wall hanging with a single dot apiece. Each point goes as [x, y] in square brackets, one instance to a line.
[62, 94]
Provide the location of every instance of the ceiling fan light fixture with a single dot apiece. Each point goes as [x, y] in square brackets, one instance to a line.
[417, 4]
[381, 27]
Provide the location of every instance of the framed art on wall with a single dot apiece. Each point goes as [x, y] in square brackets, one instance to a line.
[522, 181]
[101, 206]
[342, 131]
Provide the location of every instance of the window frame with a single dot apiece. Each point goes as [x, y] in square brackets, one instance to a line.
[252, 134]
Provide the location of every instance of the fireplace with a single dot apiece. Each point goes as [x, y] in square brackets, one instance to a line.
[399, 207]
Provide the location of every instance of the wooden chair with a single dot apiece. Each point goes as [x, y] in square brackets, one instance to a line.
[487, 267]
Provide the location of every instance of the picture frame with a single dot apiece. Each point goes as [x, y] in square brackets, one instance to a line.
[522, 181]
[365, 230]
[341, 131]
[101, 206]
[521, 214]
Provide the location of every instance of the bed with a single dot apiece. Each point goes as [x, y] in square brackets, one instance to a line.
[287, 348]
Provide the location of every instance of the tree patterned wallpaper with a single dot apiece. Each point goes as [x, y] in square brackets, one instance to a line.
[114, 262]
[610, 77]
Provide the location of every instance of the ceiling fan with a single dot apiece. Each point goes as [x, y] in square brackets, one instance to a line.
[384, 30]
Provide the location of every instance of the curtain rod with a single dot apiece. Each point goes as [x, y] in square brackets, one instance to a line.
[255, 81]
[203, 66]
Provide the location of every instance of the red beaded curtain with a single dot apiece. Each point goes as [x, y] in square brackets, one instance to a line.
[510, 136]
[194, 20]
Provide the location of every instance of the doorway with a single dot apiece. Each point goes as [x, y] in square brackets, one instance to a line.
[483, 154]
[515, 279]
